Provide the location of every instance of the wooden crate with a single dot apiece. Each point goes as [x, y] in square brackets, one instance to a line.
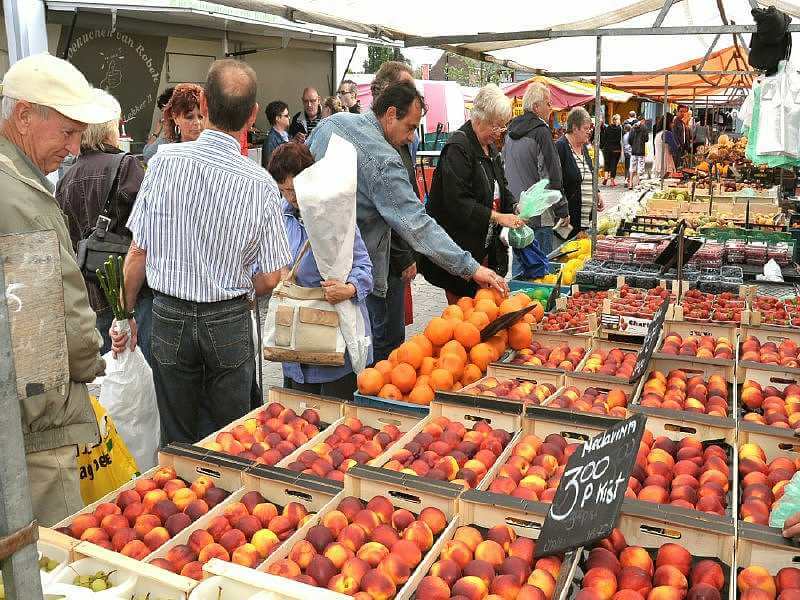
[763, 547]
[410, 493]
[605, 345]
[602, 383]
[769, 333]
[678, 324]
[774, 440]
[549, 340]
[651, 527]
[708, 425]
[467, 411]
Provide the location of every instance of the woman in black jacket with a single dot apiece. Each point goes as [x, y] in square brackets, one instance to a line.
[611, 146]
[469, 195]
[576, 169]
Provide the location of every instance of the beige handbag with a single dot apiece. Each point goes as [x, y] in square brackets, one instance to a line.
[301, 326]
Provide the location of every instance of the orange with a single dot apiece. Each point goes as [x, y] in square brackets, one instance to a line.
[520, 336]
[465, 304]
[390, 391]
[410, 353]
[424, 343]
[488, 294]
[457, 386]
[441, 379]
[478, 318]
[472, 373]
[453, 312]
[421, 394]
[467, 335]
[428, 365]
[423, 380]
[370, 381]
[488, 307]
[538, 312]
[404, 376]
[498, 344]
[453, 347]
[385, 367]
[481, 355]
[393, 356]
[508, 305]
[453, 363]
[521, 299]
[439, 331]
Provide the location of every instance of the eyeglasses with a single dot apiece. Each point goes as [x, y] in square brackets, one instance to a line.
[344, 93]
[499, 129]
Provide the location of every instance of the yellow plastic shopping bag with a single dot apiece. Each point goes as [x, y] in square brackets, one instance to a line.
[108, 465]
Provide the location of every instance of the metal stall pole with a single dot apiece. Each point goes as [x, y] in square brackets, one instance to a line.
[20, 569]
[691, 133]
[596, 145]
[664, 130]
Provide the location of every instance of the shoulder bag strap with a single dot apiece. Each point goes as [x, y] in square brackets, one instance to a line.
[109, 186]
[296, 265]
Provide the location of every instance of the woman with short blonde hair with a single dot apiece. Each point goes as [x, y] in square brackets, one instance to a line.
[469, 195]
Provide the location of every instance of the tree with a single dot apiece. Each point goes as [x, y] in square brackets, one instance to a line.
[377, 55]
[470, 72]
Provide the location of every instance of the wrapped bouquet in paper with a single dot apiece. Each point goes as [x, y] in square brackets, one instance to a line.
[301, 326]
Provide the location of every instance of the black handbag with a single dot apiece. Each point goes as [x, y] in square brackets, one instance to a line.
[772, 41]
[100, 243]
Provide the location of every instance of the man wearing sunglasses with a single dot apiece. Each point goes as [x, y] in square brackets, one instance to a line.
[348, 95]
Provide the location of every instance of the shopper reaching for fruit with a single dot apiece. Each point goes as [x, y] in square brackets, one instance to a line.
[469, 196]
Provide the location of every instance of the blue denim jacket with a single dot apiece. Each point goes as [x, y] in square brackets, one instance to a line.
[386, 201]
[308, 276]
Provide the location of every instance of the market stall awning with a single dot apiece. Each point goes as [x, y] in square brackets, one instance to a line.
[683, 86]
[566, 94]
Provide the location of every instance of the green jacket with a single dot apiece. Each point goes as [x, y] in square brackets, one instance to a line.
[63, 416]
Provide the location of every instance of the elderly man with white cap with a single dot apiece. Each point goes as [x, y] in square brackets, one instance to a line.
[46, 105]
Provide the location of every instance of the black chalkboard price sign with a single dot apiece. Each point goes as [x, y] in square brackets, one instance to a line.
[650, 341]
[590, 494]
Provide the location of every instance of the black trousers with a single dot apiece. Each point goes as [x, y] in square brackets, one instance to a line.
[338, 388]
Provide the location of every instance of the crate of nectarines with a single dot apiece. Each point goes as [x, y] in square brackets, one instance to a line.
[695, 343]
[457, 444]
[551, 351]
[273, 434]
[358, 437]
[132, 523]
[516, 385]
[655, 557]
[490, 554]
[770, 348]
[685, 470]
[696, 392]
[609, 360]
[248, 525]
[588, 393]
[766, 565]
[769, 401]
[369, 540]
[532, 464]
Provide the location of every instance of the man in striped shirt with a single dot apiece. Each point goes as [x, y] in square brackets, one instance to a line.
[208, 232]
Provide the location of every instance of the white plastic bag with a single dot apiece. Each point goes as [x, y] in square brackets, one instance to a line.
[129, 396]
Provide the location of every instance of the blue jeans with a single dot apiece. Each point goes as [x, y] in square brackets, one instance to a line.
[543, 235]
[395, 329]
[144, 324]
[203, 365]
[378, 313]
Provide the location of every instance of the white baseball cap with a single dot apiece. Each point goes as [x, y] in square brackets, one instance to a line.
[55, 83]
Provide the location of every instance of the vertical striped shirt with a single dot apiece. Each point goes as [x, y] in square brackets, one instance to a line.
[209, 219]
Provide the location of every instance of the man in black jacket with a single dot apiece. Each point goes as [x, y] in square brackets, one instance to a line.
[682, 134]
[530, 155]
[303, 123]
[638, 140]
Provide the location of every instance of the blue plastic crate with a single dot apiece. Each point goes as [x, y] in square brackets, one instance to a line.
[389, 405]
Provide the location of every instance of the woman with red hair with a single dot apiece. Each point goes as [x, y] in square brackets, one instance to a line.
[183, 121]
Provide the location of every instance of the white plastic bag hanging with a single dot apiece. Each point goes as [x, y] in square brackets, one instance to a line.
[779, 117]
[537, 199]
[129, 396]
[326, 195]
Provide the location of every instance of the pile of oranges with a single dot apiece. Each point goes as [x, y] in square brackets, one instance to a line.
[450, 354]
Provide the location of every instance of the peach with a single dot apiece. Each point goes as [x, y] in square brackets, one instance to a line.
[636, 579]
[546, 582]
[521, 547]
[456, 551]
[709, 572]
[419, 533]
[284, 568]
[156, 537]
[491, 552]
[675, 555]
[248, 525]
[434, 518]
[246, 555]
[153, 497]
[356, 568]
[382, 507]
[135, 549]
[201, 485]
[352, 537]
[703, 591]
[386, 535]
[668, 575]
[600, 557]
[321, 569]
[196, 509]
[529, 592]
[179, 556]
[372, 553]
[214, 496]
[395, 569]
[471, 587]
[335, 521]
[503, 535]
[81, 523]
[627, 595]
[402, 518]
[519, 568]
[665, 592]
[408, 551]
[105, 509]
[343, 584]
[350, 506]
[433, 588]
[232, 539]
[756, 577]
[146, 522]
[199, 539]
[448, 570]
[470, 536]
[653, 493]
[133, 512]
[788, 578]
[601, 580]
[294, 511]
[505, 586]
[112, 523]
[163, 563]
[378, 585]
[182, 497]
[265, 512]
[551, 564]
[635, 556]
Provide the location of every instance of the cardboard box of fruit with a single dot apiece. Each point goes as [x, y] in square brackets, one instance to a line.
[457, 444]
[767, 310]
[770, 348]
[358, 437]
[710, 343]
[274, 433]
[693, 392]
[769, 405]
[593, 393]
[490, 553]
[512, 385]
[766, 565]
[551, 351]
[140, 516]
[659, 557]
[609, 361]
[370, 539]
[532, 464]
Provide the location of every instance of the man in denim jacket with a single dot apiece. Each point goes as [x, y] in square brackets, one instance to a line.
[385, 200]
